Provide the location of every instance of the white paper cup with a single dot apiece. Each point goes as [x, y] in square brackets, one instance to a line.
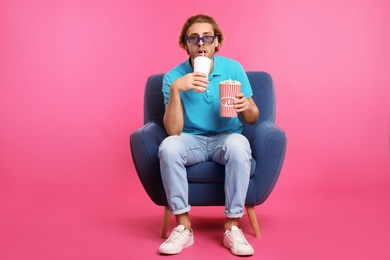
[202, 64]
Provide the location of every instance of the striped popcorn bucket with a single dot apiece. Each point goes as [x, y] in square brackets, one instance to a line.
[227, 94]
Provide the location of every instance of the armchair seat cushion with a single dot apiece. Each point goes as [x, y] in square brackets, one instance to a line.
[210, 172]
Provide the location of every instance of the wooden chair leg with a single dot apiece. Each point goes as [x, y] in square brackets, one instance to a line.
[165, 223]
[253, 219]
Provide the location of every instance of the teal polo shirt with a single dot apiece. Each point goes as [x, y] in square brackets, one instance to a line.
[201, 110]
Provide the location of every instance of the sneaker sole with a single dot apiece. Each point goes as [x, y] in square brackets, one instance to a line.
[234, 252]
[176, 252]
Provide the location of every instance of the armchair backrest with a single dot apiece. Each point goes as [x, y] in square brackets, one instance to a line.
[263, 96]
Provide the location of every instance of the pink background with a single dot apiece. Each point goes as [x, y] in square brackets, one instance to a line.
[72, 75]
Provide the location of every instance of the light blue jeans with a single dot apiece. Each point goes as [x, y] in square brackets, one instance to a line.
[232, 150]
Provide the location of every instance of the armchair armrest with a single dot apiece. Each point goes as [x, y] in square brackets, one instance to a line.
[268, 144]
[144, 143]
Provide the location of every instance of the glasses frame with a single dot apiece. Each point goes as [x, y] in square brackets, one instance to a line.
[200, 38]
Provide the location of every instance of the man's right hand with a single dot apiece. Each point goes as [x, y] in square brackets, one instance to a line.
[196, 81]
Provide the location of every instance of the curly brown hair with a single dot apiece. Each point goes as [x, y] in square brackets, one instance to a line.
[200, 18]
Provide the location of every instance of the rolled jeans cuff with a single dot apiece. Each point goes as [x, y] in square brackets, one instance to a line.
[238, 215]
[181, 211]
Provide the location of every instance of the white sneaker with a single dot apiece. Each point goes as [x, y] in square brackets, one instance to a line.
[235, 240]
[179, 239]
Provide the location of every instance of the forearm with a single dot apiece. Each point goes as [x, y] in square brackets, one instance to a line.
[173, 117]
[250, 115]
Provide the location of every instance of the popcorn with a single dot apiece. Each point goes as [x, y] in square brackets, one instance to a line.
[229, 81]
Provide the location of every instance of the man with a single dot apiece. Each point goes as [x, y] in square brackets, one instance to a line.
[197, 133]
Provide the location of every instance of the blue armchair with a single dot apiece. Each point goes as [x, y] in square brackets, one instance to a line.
[206, 179]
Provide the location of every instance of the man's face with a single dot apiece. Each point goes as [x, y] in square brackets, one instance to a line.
[200, 30]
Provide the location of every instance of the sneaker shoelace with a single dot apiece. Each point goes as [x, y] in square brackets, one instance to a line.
[237, 237]
[176, 236]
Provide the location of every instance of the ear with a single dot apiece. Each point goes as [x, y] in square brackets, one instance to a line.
[216, 43]
[185, 47]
